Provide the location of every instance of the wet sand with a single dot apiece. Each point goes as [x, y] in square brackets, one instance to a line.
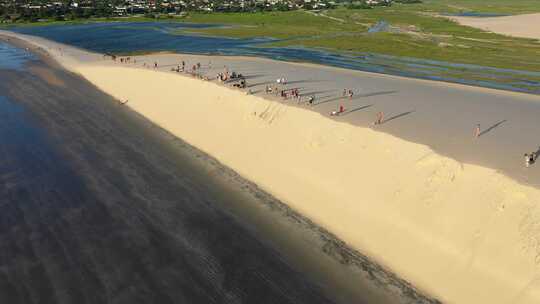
[89, 215]
[102, 206]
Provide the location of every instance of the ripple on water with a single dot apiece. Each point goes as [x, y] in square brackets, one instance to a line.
[12, 57]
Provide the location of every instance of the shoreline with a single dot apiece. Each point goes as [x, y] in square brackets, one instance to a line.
[413, 158]
[376, 280]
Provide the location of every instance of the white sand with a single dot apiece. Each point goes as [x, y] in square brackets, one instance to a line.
[462, 232]
[527, 25]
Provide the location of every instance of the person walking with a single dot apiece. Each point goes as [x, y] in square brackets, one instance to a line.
[477, 131]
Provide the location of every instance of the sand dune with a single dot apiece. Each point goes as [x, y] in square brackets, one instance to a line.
[527, 25]
[463, 232]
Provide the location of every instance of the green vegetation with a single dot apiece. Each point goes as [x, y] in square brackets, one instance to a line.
[281, 25]
[139, 18]
[413, 30]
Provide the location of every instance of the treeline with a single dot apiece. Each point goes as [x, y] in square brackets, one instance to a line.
[42, 10]
[364, 4]
[59, 10]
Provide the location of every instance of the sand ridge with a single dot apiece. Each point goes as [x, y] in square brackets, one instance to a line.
[423, 215]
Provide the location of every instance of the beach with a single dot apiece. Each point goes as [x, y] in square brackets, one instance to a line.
[454, 214]
[99, 205]
[526, 25]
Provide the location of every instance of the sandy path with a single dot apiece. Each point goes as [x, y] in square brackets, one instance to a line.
[527, 25]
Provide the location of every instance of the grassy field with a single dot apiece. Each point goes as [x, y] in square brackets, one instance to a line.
[415, 30]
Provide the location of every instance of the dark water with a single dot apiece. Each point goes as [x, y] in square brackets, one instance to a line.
[97, 205]
[477, 14]
[161, 36]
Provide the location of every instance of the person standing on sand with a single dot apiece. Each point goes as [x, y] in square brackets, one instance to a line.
[155, 65]
[380, 118]
[527, 160]
[477, 131]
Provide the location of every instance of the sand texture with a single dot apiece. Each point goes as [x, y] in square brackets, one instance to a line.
[527, 25]
[462, 226]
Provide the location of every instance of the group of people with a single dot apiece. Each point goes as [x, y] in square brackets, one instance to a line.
[242, 84]
[286, 93]
[226, 76]
[348, 93]
[127, 60]
[180, 67]
[530, 158]
[281, 81]
[294, 93]
[121, 59]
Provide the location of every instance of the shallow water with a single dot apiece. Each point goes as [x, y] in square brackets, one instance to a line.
[161, 36]
[13, 58]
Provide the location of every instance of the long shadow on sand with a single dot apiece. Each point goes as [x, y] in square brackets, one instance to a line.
[260, 83]
[398, 116]
[316, 92]
[304, 81]
[492, 127]
[357, 96]
[377, 93]
[356, 109]
[253, 76]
